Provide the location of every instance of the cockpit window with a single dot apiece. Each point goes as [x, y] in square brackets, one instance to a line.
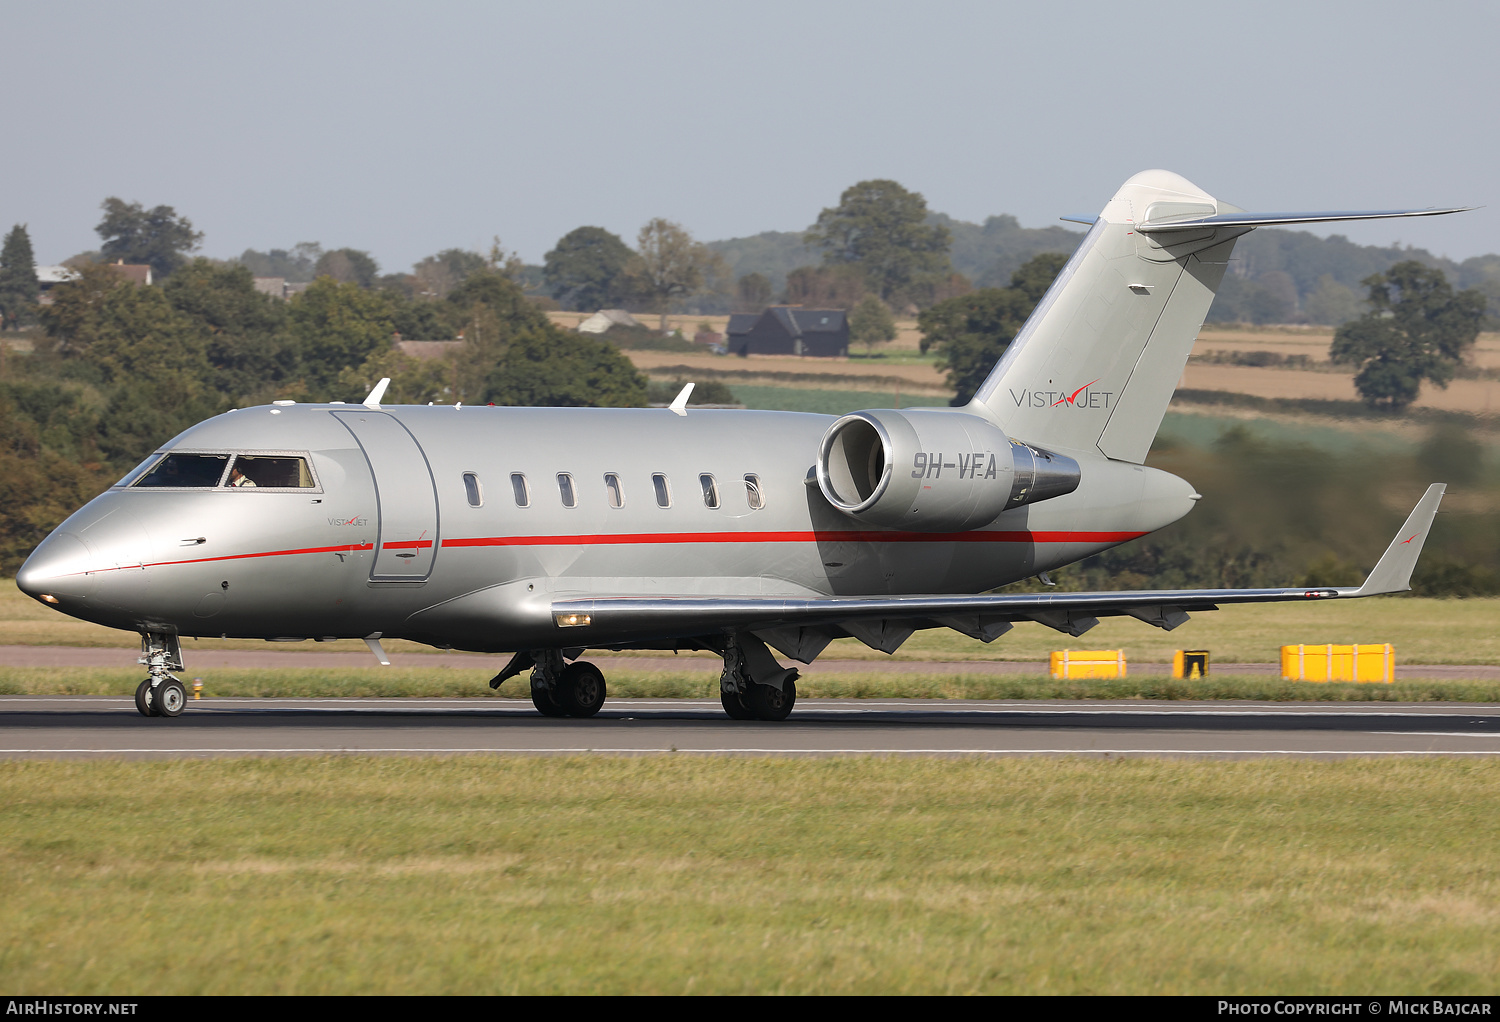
[276, 471]
[182, 471]
[135, 473]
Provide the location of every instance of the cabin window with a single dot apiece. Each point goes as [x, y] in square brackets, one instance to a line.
[522, 491]
[752, 493]
[472, 490]
[710, 490]
[251, 471]
[612, 485]
[185, 471]
[565, 490]
[663, 490]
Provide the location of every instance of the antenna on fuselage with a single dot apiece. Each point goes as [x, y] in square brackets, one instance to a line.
[679, 403]
[372, 399]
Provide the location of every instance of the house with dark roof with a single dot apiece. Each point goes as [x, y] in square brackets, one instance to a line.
[790, 330]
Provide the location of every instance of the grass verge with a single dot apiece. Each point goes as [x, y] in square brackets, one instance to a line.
[671, 874]
[396, 682]
[1423, 630]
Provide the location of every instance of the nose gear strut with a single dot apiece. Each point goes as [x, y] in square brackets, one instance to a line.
[161, 694]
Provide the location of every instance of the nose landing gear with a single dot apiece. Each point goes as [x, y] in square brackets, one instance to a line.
[160, 695]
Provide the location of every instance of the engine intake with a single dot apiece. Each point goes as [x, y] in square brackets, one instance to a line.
[933, 470]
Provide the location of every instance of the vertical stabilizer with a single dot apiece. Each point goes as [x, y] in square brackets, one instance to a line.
[1097, 362]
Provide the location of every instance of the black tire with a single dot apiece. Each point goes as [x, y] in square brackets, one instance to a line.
[735, 706]
[768, 703]
[580, 690]
[169, 699]
[541, 698]
[143, 700]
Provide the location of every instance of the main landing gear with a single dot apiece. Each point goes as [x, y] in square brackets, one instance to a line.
[161, 694]
[558, 689]
[754, 686]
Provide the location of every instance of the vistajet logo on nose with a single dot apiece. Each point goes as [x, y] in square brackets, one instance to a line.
[1083, 397]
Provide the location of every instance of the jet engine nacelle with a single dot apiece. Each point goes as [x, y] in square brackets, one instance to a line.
[933, 470]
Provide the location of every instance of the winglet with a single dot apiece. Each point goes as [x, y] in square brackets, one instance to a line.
[679, 403]
[1392, 574]
[372, 399]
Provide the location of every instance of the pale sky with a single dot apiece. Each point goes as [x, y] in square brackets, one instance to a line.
[405, 128]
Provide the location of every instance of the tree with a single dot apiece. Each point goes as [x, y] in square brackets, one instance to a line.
[1417, 329]
[295, 265]
[348, 266]
[336, 326]
[669, 265]
[18, 287]
[825, 287]
[583, 271]
[439, 274]
[881, 228]
[157, 237]
[871, 322]
[243, 329]
[1332, 303]
[974, 329]
[752, 292]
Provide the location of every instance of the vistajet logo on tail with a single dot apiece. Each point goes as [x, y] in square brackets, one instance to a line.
[1083, 397]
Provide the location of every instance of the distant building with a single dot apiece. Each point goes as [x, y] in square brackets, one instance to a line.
[138, 274]
[273, 286]
[606, 318]
[790, 330]
[48, 277]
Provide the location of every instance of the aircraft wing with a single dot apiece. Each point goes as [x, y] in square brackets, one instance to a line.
[885, 622]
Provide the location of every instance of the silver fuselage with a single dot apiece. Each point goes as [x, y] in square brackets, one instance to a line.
[388, 542]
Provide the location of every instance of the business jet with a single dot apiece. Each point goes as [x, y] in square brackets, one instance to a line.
[543, 532]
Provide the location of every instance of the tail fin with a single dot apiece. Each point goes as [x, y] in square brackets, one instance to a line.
[1097, 362]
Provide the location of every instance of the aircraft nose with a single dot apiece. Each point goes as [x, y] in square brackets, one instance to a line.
[58, 569]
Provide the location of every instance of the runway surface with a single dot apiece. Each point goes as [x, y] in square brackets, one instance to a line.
[87, 727]
[199, 661]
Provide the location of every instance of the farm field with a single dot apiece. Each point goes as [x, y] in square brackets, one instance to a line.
[489, 874]
[918, 374]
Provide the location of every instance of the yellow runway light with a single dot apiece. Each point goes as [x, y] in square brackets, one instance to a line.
[1088, 663]
[1374, 662]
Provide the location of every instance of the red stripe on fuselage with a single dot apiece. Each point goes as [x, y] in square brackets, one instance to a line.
[648, 538]
[615, 539]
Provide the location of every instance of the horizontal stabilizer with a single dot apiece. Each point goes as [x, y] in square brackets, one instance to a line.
[1392, 573]
[1198, 223]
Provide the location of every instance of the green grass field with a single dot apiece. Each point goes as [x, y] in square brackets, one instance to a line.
[679, 874]
[1424, 631]
[703, 683]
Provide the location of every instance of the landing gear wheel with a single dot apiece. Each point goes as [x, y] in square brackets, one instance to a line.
[735, 706]
[169, 699]
[768, 703]
[546, 705]
[143, 699]
[580, 690]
